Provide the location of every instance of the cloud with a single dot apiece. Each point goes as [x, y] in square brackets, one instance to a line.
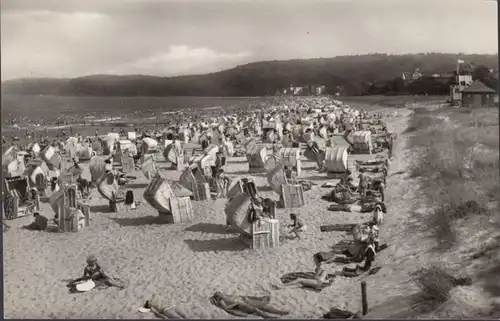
[34, 15]
[71, 38]
[46, 43]
[181, 59]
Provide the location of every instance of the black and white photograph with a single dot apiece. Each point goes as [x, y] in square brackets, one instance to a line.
[225, 159]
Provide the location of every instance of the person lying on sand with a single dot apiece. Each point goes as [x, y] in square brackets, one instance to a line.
[297, 225]
[243, 306]
[320, 281]
[158, 306]
[94, 272]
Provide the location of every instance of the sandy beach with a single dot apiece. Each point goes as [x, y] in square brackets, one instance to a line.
[398, 117]
[186, 263]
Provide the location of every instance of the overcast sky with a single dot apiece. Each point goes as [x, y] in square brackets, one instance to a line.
[69, 38]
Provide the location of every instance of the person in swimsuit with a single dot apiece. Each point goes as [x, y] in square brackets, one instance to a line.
[363, 182]
[93, 271]
[248, 305]
[320, 281]
[297, 225]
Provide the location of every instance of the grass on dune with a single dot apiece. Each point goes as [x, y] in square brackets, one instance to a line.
[458, 169]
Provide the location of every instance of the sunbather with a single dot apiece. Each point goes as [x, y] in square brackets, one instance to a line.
[243, 305]
[160, 308]
[320, 281]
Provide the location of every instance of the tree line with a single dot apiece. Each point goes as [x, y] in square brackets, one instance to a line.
[354, 75]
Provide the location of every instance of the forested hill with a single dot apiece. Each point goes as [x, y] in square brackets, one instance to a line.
[357, 75]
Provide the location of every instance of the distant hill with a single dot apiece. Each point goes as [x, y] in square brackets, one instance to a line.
[355, 74]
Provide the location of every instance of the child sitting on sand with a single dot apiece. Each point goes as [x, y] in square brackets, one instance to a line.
[39, 224]
[93, 271]
[297, 226]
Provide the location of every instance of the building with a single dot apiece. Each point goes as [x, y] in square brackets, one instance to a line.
[416, 75]
[478, 95]
[320, 90]
[308, 90]
[462, 82]
[297, 91]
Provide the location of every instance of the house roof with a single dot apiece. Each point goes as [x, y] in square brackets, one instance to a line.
[478, 87]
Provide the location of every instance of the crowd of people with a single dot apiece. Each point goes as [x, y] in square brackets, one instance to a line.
[280, 126]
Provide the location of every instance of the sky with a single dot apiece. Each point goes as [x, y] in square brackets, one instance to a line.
[72, 38]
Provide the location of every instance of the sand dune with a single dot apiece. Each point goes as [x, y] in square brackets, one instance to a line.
[188, 262]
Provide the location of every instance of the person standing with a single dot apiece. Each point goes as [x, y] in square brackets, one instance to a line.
[363, 183]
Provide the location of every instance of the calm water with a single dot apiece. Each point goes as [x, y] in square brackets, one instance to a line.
[51, 107]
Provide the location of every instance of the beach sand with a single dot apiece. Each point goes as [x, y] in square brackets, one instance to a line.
[186, 263]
